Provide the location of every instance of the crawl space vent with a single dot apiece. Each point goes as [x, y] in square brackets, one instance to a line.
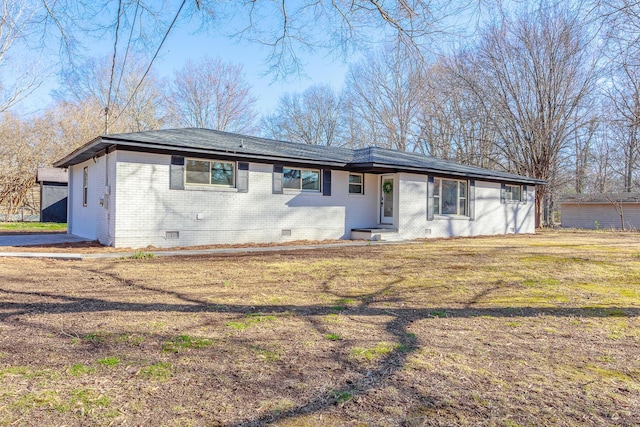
[172, 235]
[286, 232]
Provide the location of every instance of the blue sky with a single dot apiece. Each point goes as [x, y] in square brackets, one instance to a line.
[182, 46]
[184, 43]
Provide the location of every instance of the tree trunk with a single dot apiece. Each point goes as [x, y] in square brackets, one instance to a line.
[540, 192]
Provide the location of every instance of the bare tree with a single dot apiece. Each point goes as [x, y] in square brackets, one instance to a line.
[17, 81]
[384, 92]
[286, 28]
[600, 162]
[130, 105]
[212, 94]
[534, 74]
[21, 152]
[452, 123]
[315, 117]
[623, 89]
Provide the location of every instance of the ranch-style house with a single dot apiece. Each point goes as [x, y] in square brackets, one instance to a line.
[188, 187]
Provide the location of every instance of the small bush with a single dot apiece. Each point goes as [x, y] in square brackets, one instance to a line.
[141, 255]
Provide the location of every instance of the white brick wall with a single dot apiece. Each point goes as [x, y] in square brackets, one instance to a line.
[147, 208]
[491, 216]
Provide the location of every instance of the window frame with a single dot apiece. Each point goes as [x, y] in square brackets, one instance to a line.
[360, 184]
[508, 189]
[211, 163]
[85, 186]
[437, 197]
[301, 171]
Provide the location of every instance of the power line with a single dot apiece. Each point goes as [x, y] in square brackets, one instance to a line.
[113, 66]
[151, 62]
[126, 53]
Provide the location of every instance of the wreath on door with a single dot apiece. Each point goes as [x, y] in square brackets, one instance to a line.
[387, 187]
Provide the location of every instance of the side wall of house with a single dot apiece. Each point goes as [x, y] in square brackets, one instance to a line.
[149, 212]
[106, 215]
[585, 216]
[491, 216]
[96, 219]
[82, 219]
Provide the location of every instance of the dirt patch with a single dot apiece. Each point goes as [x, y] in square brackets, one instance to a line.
[531, 330]
[95, 247]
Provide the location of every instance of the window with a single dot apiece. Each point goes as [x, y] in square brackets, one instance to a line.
[512, 193]
[301, 179]
[449, 197]
[356, 183]
[85, 186]
[206, 172]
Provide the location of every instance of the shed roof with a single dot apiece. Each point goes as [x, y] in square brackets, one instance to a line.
[52, 175]
[194, 141]
[600, 198]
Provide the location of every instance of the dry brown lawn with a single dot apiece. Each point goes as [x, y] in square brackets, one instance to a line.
[504, 331]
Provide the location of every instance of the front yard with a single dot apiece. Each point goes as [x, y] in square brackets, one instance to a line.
[515, 330]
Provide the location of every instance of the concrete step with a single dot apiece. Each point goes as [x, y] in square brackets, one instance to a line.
[376, 234]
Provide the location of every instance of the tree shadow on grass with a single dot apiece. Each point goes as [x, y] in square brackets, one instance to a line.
[365, 306]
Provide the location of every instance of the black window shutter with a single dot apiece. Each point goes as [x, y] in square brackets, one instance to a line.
[430, 200]
[472, 200]
[242, 180]
[326, 182]
[524, 194]
[176, 173]
[277, 179]
[503, 190]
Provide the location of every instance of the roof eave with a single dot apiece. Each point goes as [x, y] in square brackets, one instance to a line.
[101, 143]
[68, 160]
[488, 176]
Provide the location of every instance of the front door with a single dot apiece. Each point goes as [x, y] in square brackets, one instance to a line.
[386, 199]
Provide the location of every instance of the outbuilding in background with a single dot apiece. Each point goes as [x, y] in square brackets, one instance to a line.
[601, 211]
[53, 194]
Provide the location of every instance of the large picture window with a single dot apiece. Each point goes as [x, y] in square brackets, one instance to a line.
[301, 179]
[210, 172]
[450, 197]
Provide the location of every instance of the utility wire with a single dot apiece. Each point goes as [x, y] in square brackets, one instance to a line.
[126, 53]
[151, 62]
[113, 66]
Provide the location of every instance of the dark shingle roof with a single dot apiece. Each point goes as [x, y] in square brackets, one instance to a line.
[195, 141]
[383, 157]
